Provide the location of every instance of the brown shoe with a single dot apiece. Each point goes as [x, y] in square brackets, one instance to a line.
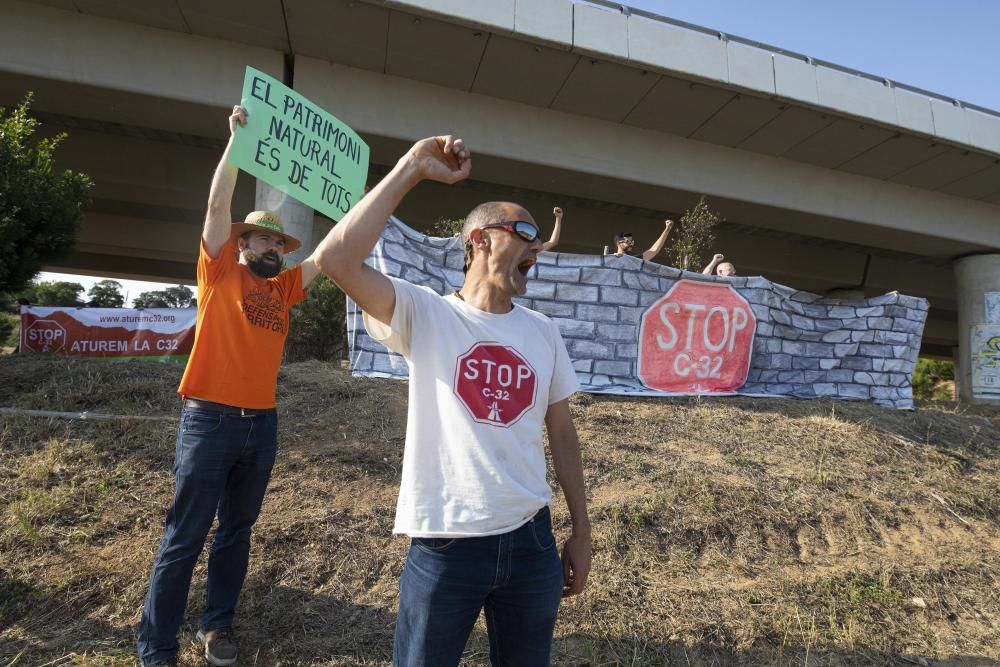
[220, 646]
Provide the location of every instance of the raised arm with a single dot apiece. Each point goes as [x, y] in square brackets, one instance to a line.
[710, 269]
[219, 217]
[554, 239]
[342, 253]
[565, 447]
[655, 249]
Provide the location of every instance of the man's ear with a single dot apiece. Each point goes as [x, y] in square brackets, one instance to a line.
[477, 237]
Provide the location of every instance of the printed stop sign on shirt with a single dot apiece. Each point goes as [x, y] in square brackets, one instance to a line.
[495, 383]
[696, 338]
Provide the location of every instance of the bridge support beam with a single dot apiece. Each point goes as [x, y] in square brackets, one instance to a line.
[296, 216]
[974, 277]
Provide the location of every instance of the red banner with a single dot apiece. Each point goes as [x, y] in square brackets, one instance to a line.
[122, 333]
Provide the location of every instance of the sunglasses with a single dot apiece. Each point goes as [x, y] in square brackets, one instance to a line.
[524, 229]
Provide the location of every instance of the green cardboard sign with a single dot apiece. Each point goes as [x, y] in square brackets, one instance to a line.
[298, 148]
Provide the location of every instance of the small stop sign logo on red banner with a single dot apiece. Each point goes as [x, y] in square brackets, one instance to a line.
[44, 336]
[495, 383]
[696, 338]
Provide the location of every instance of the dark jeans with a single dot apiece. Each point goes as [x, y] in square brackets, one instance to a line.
[222, 465]
[516, 577]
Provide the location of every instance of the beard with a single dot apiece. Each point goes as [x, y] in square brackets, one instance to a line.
[267, 265]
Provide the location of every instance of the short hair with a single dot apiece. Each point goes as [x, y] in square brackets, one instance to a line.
[488, 213]
[621, 236]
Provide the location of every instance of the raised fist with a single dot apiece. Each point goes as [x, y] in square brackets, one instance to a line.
[444, 159]
[238, 117]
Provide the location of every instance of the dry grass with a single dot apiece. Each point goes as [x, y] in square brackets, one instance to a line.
[726, 531]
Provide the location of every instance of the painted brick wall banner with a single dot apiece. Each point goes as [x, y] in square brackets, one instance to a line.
[121, 333]
[635, 327]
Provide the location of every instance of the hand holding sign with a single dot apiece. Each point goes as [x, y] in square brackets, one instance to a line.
[238, 117]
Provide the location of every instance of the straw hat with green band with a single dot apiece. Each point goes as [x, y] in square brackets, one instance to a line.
[266, 221]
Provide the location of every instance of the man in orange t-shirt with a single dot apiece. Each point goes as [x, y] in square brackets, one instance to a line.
[227, 439]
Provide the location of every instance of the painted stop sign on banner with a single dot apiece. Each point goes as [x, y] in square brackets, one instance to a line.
[44, 336]
[696, 338]
[495, 383]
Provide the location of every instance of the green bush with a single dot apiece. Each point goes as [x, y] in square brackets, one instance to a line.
[933, 379]
[10, 329]
[318, 324]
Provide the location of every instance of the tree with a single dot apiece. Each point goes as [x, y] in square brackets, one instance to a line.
[150, 300]
[39, 209]
[446, 227]
[180, 297]
[57, 293]
[171, 297]
[694, 240]
[106, 294]
[318, 324]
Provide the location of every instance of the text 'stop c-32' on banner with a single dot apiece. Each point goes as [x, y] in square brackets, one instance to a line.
[697, 338]
[298, 148]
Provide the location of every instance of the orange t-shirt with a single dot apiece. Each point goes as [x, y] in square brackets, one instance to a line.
[240, 334]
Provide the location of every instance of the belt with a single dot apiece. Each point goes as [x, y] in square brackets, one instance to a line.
[221, 408]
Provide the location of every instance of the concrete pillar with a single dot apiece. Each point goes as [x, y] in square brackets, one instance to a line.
[296, 217]
[974, 277]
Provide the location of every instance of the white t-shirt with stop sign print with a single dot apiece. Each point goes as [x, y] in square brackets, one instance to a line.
[480, 385]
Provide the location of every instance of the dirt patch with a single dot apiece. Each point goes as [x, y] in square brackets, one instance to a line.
[726, 531]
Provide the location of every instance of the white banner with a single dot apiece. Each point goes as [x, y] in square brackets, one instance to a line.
[985, 357]
[151, 333]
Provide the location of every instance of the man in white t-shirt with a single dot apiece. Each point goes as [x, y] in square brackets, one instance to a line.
[485, 374]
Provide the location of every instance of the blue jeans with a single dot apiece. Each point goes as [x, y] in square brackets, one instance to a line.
[516, 577]
[222, 465]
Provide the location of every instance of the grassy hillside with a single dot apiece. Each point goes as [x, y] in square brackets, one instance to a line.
[726, 531]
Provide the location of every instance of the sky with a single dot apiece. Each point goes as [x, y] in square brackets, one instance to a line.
[948, 47]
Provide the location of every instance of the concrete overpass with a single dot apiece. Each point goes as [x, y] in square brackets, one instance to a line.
[827, 177]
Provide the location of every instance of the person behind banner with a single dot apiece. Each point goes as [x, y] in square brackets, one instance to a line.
[556, 230]
[227, 437]
[718, 266]
[485, 374]
[625, 243]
